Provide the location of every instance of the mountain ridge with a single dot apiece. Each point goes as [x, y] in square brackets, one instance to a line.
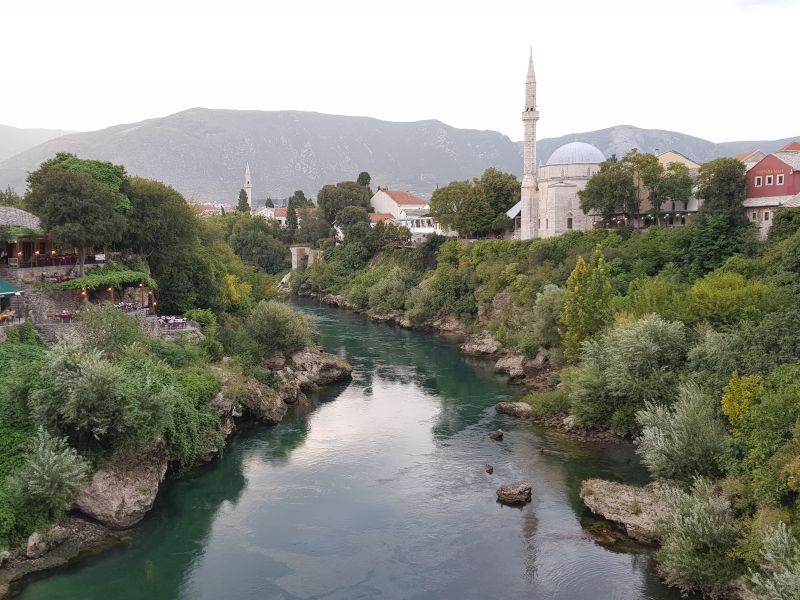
[202, 152]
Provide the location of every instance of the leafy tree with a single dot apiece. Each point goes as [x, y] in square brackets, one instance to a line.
[674, 185]
[722, 186]
[75, 210]
[51, 476]
[268, 203]
[243, 205]
[291, 220]
[462, 206]
[543, 328]
[587, 302]
[300, 201]
[502, 190]
[313, 227]
[350, 215]
[333, 198]
[724, 298]
[682, 441]
[699, 535]
[256, 242]
[9, 197]
[611, 191]
[364, 179]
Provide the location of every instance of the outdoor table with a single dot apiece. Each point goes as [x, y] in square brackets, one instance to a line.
[65, 317]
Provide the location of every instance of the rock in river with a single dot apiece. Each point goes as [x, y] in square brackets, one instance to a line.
[497, 436]
[481, 344]
[321, 368]
[514, 493]
[515, 409]
[120, 496]
[632, 507]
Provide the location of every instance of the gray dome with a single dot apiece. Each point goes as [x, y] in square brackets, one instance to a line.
[576, 153]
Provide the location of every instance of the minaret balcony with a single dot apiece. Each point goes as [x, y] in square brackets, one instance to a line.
[530, 114]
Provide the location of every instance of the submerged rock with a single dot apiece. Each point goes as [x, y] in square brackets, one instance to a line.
[514, 493]
[633, 508]
[497, 436]
[514, 409]
[511, 365]
[321, 368]
[489, 469]
[120, 496]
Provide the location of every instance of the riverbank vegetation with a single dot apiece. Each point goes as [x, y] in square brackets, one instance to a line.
[114, 391]
[685, 339]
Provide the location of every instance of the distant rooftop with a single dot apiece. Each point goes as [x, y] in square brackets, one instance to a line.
[14, 217]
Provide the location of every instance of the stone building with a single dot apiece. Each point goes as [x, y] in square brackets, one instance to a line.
[773, 182]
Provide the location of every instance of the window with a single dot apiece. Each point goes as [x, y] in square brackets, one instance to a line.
[540, 224]
[766, 215]
[673, 206]
[754, 216]
[780, 179]
[546, 223]
[758, 181]
[569, 222]
[769, 180]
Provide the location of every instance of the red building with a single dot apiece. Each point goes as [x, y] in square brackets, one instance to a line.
[773, 182]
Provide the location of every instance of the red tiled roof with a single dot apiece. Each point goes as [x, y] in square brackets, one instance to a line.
[744, 155]
[199, 209]
[404, 198]
[378, 217]
[281, 211]
[795, 145]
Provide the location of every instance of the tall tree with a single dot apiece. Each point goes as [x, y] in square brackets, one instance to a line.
[462, 206]
[611, 191]
[299, 200]
[587, 303]
[333, 198]
[502, 190]
[351, 215]
[674, 185]
[291, 220]
[364, 179]
[243, 205]
[722, 186]
[313, 227]
[9, 197]
[268, 203]
[75, 210]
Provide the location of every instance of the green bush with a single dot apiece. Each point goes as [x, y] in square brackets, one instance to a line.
[726, 298]
[685, 440]
[389, 294]
[204, 317]
[542, 329]
[623, 369]
[778, 576]
[25, 333]
[276, 328]
[51, 475]
[698, 539]
[105, 328]
[549, 404]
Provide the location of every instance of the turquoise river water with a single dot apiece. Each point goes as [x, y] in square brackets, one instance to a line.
[378, 493]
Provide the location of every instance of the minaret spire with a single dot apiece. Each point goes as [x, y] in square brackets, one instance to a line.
[248, 186]
[530, 194]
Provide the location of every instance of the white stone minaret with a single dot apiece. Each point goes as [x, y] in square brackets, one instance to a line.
[248, 186]
[530, 187]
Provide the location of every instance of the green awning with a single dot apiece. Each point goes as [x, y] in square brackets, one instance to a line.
[6, 289]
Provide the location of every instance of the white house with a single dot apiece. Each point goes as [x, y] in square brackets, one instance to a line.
[407, 210]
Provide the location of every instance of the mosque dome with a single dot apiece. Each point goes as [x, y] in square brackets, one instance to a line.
[576, 153]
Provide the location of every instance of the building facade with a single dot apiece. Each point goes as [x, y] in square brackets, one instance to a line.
[773, 182]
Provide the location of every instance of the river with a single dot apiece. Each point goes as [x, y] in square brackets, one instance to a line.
[379, 493]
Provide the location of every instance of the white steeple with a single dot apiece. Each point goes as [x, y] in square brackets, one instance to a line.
[248, 186]
[530, 195]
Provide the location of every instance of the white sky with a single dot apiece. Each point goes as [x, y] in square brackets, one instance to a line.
[718, 69]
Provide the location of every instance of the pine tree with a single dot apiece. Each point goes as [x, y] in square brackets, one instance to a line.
[291, 220]
[587, 303]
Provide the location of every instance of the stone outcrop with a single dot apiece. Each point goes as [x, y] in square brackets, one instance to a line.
[36, 545]
[631, 507]
[521, 369]
[514, 409]
[497, 436]
[447, 324]
[481, 344]
[320, 368]
[514, 493]
[120, 496]
[263, 403]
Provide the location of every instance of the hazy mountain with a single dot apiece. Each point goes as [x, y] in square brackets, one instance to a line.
[202, 152]
[14, 140]
[622, 138]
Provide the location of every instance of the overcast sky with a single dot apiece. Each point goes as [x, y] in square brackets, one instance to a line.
[718, 69]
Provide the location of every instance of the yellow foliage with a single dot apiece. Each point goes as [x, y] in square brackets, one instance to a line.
[790, 472]
[738, 396]
[236, 291]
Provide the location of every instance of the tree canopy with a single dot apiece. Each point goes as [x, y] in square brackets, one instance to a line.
[333, 198]
[463, 207]
[243, 205]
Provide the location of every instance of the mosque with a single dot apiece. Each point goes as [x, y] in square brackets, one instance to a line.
[550, 205]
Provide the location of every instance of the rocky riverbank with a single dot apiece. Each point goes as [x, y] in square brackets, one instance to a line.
[120, 494]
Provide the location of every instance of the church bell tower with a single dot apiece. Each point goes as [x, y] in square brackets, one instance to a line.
[530, 187]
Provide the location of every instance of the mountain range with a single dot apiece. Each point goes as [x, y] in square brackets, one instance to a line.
[202, 152]
[14, 140]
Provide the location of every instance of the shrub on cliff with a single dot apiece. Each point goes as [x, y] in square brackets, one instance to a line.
[779, 574]
[685, 440]
[276, 328]
[105, 328]
[698, 539]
